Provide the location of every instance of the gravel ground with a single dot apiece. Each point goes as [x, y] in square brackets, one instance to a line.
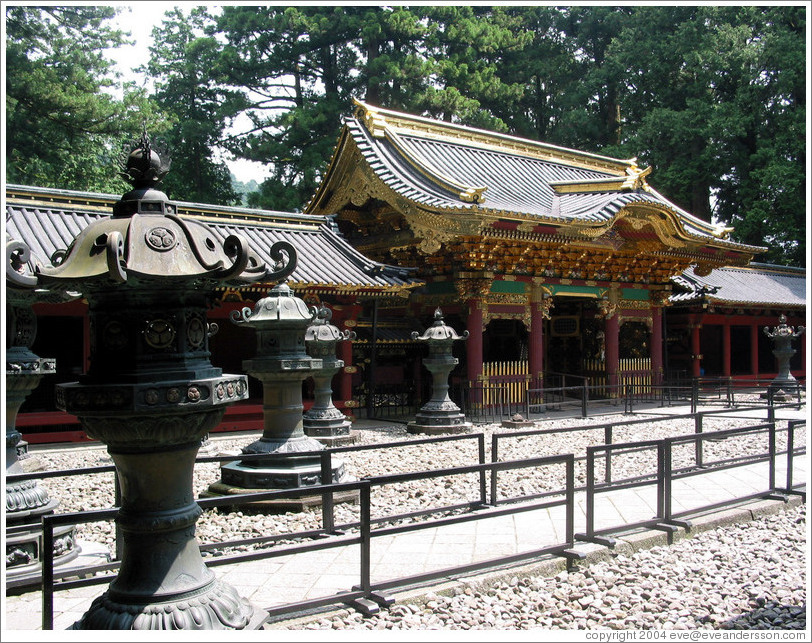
[746, 576]
[96, 491]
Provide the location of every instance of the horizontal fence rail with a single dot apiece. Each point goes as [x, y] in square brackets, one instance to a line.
[483, 502]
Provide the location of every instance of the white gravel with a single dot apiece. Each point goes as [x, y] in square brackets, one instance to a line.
[747, 576]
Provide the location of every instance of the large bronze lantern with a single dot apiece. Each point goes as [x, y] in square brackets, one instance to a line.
[323, 420]
[26, 501]
[151, 393]
[784, 386]
[439, 414]
[280, 321]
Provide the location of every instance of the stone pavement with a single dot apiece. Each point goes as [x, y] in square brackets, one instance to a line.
[272, 582]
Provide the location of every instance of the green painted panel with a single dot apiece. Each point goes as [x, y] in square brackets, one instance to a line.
[636, 294]
[440, 287]
[508, 287]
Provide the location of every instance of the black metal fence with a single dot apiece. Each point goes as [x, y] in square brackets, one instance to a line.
[485, 503]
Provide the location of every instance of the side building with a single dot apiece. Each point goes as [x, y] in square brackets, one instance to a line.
[329, 271]
[715, 325]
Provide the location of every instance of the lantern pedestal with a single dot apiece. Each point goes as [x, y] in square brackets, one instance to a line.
[323, 420]
[291, 460]
[784, 387]
[439, 414]
[151, 394]
[27, 501]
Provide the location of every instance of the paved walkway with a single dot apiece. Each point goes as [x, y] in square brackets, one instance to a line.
[272, 582]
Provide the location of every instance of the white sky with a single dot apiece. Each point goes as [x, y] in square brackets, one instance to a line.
[139, 19]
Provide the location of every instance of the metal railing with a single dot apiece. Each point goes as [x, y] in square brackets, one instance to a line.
[367, 595]
[667, 473]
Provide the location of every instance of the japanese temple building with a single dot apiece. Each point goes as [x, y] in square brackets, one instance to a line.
[557, 262]
[554, 260]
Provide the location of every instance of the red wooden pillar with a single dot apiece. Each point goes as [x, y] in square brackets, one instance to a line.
[536, 357]
[612, 332]
[475, 328]
[726, 371]
[656, 347]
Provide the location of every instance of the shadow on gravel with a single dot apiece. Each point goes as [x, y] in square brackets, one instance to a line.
[769, 616]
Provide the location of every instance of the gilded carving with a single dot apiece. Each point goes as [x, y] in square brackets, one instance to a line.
[473, 287]
[517, 299]
[523, 317]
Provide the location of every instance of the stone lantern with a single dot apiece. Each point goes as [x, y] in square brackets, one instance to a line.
[151, 393]
[784, 386]
[439, 414]
[280, 321]
[323, 420]
[26, 501]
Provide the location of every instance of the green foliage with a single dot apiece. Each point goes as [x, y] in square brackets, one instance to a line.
[711, 96]
[185, 63]
[64, 126]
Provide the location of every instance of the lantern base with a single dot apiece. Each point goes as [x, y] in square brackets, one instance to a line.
[214, 607]
[237, 478]
[24, 549]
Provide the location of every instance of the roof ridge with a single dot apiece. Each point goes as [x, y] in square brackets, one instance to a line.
[377, 119]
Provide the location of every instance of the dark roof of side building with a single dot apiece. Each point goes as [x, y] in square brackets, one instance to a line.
[47, 220]
[757, 284]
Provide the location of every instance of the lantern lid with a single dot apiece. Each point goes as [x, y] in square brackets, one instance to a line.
[321, 330]
[146, 241]
[438, 331]
[280, 306]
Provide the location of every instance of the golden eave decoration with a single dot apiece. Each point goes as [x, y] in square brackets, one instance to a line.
[470, 209]
[634, 180]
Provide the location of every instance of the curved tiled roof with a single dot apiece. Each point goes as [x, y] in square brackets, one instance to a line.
[756, 284]
[324, 256]
[453, 168]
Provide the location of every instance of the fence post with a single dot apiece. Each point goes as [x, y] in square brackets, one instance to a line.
[771, 431]
[607, 439]
[327, 500]
[770, 404]
[366, 539]
[694, 395]
[570, 497]
[47, 557]
[590, 492]
[790, 449]
[699, 444]
[584, 395]
[664, 480]
[483, 499]
[494, 458]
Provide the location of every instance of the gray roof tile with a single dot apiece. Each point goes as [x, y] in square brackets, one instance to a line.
[757, 284]
[324, 256]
